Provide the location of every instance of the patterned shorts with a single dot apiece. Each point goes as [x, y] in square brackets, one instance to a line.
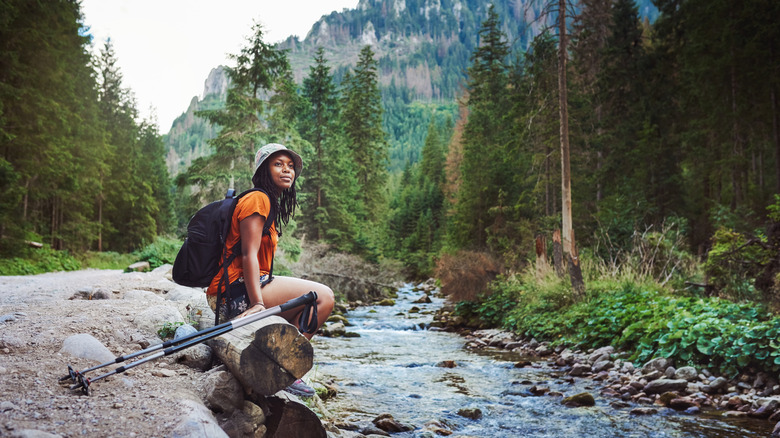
[235, 300]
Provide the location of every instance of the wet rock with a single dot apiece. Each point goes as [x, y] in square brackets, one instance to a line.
[339, 318]
[372, 430]
[437, 428]
[543, 350]
[579, 369]
[766, 407]
[539, 390]
[643, 411]
[682, 403]
[665, 385]
[334, 330]
[669, 372]
[447, 364]
[653, 375]
[776, 431]
[387, 423]
[425, 299]
[86, 347]
[387, 302]
[601, 354]
[666, 398]
[522, 364]
[472, 413]
[582, 399]
[687, 373]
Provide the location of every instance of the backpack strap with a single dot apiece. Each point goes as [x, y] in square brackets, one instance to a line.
[230, 254]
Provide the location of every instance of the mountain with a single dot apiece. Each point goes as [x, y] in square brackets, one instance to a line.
[423, 48]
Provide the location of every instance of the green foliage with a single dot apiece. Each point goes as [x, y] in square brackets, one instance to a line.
[734, 261]
[37, 261]
[106, 260]
[161, 251]
[168, 330]
[719, 334]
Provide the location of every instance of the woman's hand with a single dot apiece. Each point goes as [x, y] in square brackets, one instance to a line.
[252, 310]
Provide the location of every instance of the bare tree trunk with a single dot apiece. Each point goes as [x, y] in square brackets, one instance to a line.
[564, 123]
[542, 265]
[558, 253]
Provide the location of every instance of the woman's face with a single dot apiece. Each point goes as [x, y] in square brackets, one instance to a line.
[282, 169]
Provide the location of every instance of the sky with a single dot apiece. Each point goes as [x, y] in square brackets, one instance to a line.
[165, 49]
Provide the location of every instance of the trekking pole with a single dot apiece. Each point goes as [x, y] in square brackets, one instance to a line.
[173, 346]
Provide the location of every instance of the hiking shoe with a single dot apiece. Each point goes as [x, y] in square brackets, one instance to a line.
[300, 389]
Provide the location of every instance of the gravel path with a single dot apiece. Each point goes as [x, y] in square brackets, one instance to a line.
[37, 313]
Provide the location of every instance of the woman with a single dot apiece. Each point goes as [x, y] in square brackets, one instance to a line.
[276, 170]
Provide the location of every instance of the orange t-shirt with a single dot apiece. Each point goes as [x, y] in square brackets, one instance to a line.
[251, 203]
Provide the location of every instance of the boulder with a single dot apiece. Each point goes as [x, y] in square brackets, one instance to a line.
[687, 373]
[87, 347]
[153, 318]
[659, 364]
[660, 386]
[582, 399]
[198, 422]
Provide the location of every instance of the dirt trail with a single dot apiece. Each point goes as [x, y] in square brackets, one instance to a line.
[39, 312]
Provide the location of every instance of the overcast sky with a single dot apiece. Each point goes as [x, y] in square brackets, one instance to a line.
[166, 48]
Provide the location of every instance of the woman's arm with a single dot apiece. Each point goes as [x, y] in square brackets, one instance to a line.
[251, 229]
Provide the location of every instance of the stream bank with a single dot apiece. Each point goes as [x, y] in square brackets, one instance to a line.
[434, 382]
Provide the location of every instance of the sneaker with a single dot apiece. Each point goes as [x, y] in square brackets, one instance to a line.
[300, 389]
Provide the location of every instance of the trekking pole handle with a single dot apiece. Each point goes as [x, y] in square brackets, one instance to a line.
[308, 298]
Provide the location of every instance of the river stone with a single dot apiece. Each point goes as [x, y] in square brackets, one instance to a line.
[472, 413]
[658, 364]
[387, 423]
[687, 373]
[602, 365]
[582, 399]
[600, 354]
[198, 422]
[85, 346]
[715, 386]
[665, 385]
[334, 330]
[155, 317]
[223, 392]
[140, 295]
[579, 369]
[643, 411]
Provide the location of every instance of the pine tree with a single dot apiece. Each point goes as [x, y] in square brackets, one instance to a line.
[362, 124]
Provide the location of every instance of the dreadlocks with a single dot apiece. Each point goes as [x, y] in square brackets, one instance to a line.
[286, 201]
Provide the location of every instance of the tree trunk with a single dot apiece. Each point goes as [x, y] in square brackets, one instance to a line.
[575, 271]
[775, 124]
[558, 253]
[290, 418]
[265, 356]
[564, 123]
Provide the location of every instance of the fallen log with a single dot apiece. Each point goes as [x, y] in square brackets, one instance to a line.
[266, 356]
[290, 418]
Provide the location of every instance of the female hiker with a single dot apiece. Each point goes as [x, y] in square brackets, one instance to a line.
[251, 288]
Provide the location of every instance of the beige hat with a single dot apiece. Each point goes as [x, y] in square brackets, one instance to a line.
[272, 148]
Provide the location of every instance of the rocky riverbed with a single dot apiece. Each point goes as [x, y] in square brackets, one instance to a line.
[647, 390]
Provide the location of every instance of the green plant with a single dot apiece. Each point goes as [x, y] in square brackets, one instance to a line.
[168, 330]
[161, 251]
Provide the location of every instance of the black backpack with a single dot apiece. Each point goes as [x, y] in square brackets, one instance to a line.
[201, 256]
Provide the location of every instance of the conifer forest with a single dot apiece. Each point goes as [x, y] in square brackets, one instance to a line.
[664, 133]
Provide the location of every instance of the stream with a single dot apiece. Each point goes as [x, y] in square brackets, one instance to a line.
[392, 368]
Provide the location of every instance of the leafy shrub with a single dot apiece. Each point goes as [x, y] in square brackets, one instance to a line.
[161, 251]
[734, 262]
[37, 261]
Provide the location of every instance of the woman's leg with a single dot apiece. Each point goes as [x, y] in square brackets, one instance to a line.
[283, 289]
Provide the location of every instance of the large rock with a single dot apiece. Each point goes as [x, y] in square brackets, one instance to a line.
[665, 385]
[155, 317]
[582, 399]
[223, 392]
[193, 303]
[199, 422]
[688, 373]
[142, 295]
[87, 347]
[659, 364]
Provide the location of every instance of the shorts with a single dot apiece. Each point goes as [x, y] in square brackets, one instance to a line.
[235, 300]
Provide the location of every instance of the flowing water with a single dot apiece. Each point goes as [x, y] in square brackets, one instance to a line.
[392, 368]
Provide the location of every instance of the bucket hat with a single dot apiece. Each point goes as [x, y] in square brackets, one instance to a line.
[266, 151]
